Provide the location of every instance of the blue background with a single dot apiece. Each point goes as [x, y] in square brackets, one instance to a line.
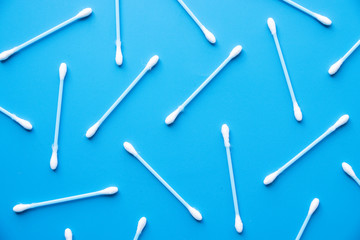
[250, 95]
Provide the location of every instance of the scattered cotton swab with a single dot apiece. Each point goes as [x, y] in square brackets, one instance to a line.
[322, 19]
[238, 222]
[140, 227]
[271, 177]
[82, 14]
[54, 157]
[172, 117]
[313, 206]
[92, 130]
[335, 67]
[25, 124]
[119, 56]
[297, 110]
[349, 171]
[68, 234]
[195, 213]
[209, 36]
[23, 207]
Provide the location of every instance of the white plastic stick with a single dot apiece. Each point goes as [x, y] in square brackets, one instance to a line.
[313, 206]
[238, 222]
[335, 67]
[140, 227]
[54, 157]
[25, 124]
[209, 36]
[271, 177]
[68, 234]
[172, 117]
[195, 213]
[82, 14]
[297, 110]
[349, 171]
[119, 56]
[92, 130]
[23, 207]
[322, 19]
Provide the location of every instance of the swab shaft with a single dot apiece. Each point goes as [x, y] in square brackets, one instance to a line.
[191, 14]
[351, 50]
[117, 20]
[137, 234]
[303, 227]
[233, 188]
[7, 113]
[294, 4]
[357, 180]
[58, 113]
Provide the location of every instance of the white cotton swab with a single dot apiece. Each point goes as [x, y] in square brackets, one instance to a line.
[92, 130]
[271, 177]
[349, 171]
[119, 56]
[322, 19]
[335, 67]
[313, 206]
[82, 14]
[68, 234]
[238, 222]
[25, 124]
[54, 157]
[23, 207]
[297, 110]
[172, 117]
[195, 213]
[140, 227]
[209, 36]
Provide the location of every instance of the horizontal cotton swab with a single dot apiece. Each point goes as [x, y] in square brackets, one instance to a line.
[322, 19]
[82, 14]
[25, 124]
[172, 117]
[119, 56]
[23, 207]
[335, 67]
[313, 206]
[195, 213]
[54, 157]
[140, 227]
[152, 62]
[349, 171]
[68, 234]
[238, 222]
[297, 110]
[209, 36]
[271, 177]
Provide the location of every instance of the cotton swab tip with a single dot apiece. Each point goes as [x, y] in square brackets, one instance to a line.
[25, 124]
[271, 25]
[141, 225]
[348, 169]
[84, 13]
[54, 160]
[270, 178]
[172, 117]
[313, 206]
[110, 190]
[342, 120]
[236, 51]
[68, 234]
[6, 54]
[335, 67]
[21, 207]
[238, 224]
[324, 20]
[152, 62]
[225, 132]
[119, 56]
[130, 148]
[91, 131]
[195, 213]
[62, 71]
[297, 113]
[209, 36]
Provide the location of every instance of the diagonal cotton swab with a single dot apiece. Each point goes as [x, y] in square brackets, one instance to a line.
[313, 206]
[82, 14]
[322, 19]
[349, 171]
[119, 56]
[209, 36]
[335, 67]
[92, 130]
[195, 213]
[23, 207]
[54, 157]
[140, 227]
[271, 177]
[68, 234]
[238, 222]
[297, 110]
[25, 124]
[172, 117]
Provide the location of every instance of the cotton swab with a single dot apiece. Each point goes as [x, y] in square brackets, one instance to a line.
[322, 19]
[238, 222]
[195, 213]
[172, 117]
[297, 110]
[313, 206]
[25, 124]
[82, 14]
[271, 177]
[152, 62]
[209, 36]
[54, 157]
[119, 56]
[68, 234]
[349, 171]
[335, 67]
[23, 207]
[140, 227]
